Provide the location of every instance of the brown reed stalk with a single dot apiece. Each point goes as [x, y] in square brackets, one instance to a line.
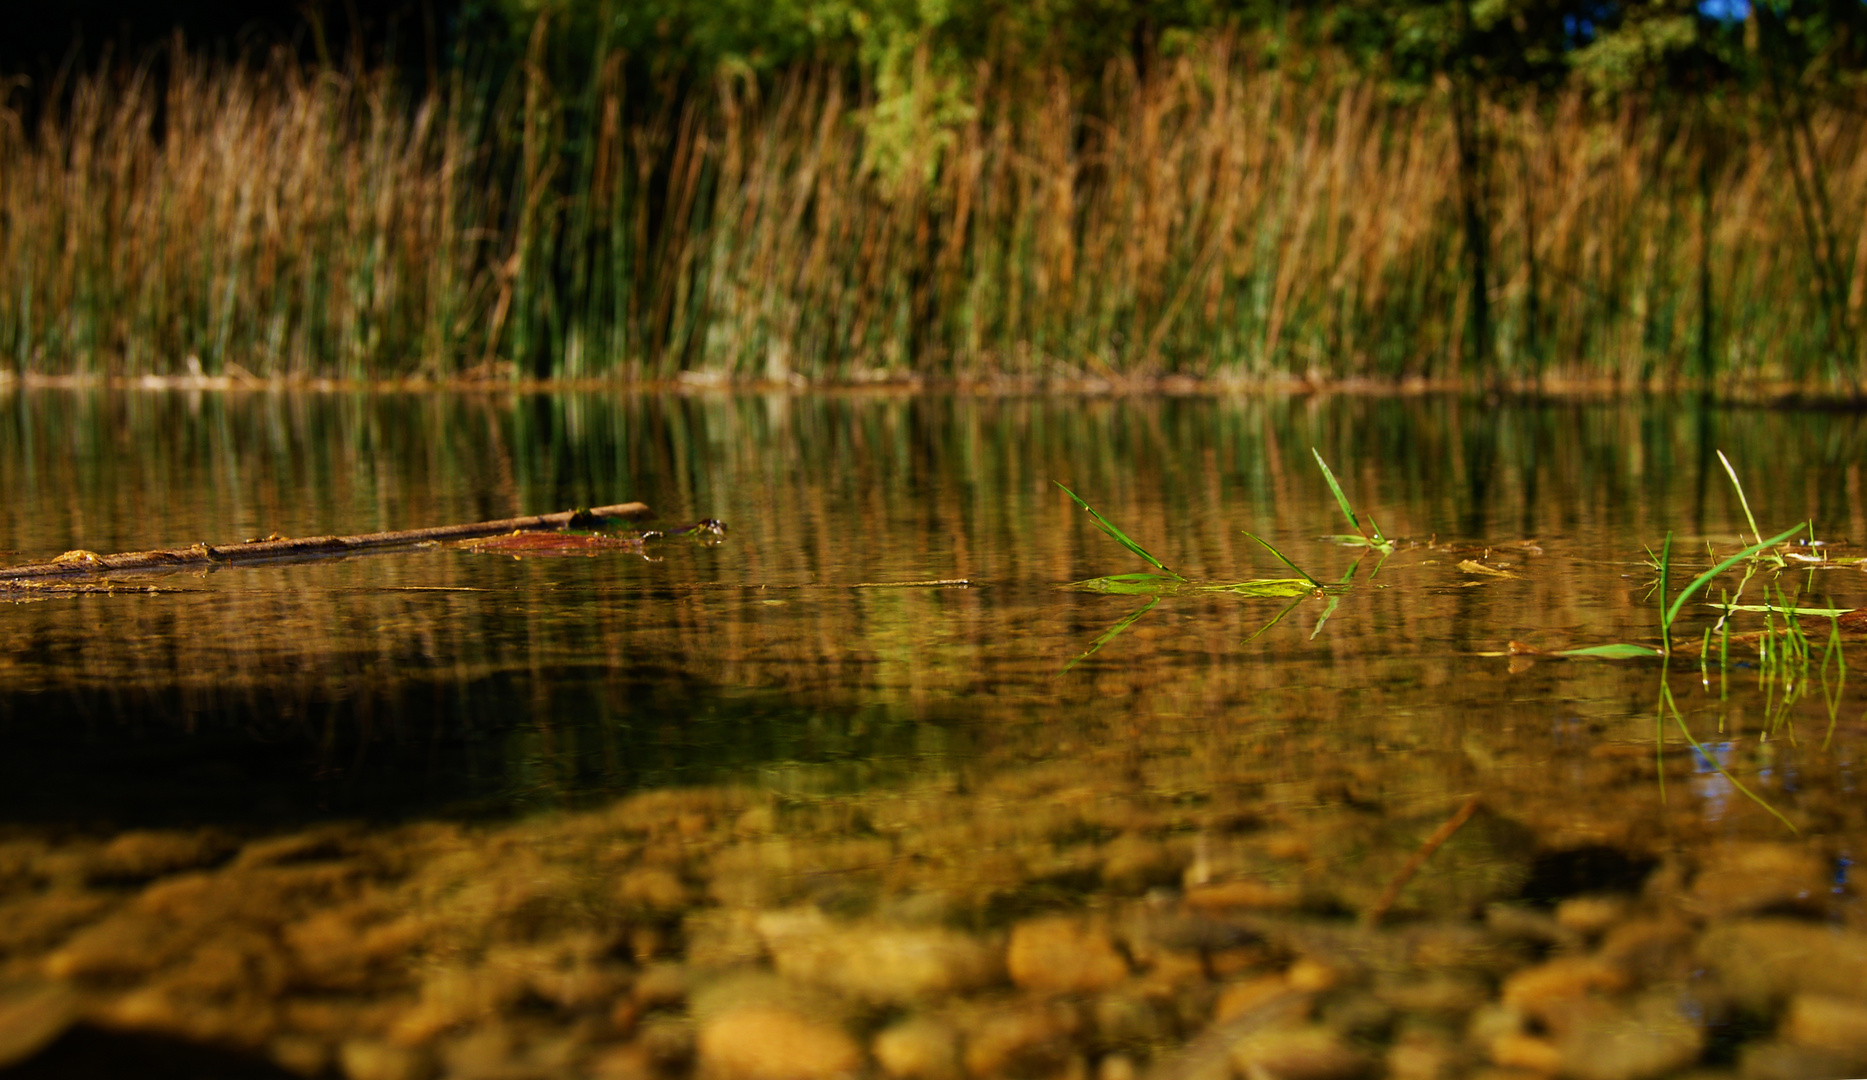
[1203, 215]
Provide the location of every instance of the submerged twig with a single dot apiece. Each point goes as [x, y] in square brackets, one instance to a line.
[1378, 909]
[82, 565]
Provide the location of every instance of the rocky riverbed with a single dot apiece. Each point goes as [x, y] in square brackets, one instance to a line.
[1096, 919]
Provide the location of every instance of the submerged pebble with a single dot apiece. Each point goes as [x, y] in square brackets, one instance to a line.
[929, 935]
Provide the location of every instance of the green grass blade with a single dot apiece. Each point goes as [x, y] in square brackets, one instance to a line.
[1120, 537]
[1289, 586]
[1341, 500]
[1323, 619]
[1704, 579]
[1666, 568]
[1112, 633]
[1282, 559]
[1615, 651]
[1277, 618]
[1666, 696]
[1815, 612]
[1833, 698]
[1130, 584]
[1741, 501]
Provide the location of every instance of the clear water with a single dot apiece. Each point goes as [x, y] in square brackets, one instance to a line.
[884, 709]
[444, 681]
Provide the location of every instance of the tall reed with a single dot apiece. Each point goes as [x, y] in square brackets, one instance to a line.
[1213, 217]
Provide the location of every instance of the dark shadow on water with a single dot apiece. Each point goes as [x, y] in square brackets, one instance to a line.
[160, 757]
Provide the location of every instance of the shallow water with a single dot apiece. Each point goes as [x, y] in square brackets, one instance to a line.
[803, 679]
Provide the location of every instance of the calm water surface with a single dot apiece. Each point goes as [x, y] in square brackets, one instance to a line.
[811, 656]
[442, 680]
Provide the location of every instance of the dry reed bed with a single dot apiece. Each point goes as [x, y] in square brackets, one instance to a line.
[1212, 219]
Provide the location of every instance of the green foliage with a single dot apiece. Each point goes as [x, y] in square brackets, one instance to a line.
[1108, 528]
[1376, 541]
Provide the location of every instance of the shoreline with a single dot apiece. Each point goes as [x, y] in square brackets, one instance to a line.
[1768, 394]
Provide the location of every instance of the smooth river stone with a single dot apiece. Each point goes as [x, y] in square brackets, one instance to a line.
[770, 1042]
[1302, 1053]
[1651, 1039]
[919, 1048]
[1741, 878]
[1761, 961]
[1063, 954]
[32, 1017]
[1827, 1023]
[877, 963]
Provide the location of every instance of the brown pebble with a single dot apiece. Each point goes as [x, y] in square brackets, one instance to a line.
[770, 1042]
[1243, 894]
[1301, 1053]
[123, 945]
[1521, 1051]
[1311, 976]
[1421, 1055]
[1827, 1023]
[1063, 954]
[1590, 915]
[1650, 1039]
[661, 986]
[1126, 1018]
[1740, 878]
[302, 1054]
[668, 1042]
[1248, 994]
[1131, 863]
[370, 1059]
[1650, 950]
[32, 1017]
[919, 1048]
[147, 854]
[1538, 989]
[1762, 960]
[1769, 1060]
[653, 889]
[626, 1062]
[1029, 1041]
[878, 963]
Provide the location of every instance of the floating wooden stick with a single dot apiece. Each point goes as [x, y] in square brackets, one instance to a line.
[1440, 835]
[78, 566]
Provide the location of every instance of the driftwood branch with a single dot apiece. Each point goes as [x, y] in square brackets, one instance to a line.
[78, 566]
[1378, 910]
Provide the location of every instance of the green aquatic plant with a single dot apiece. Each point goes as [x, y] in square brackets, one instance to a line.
[1164, 581]
[1670, 606]
[1755, 532]
[1370, 536]
[1669, 707]
[1168, 581]
[1122, 538]
[1112, 633]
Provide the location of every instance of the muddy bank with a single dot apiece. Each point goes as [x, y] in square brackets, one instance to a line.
[1108, 918]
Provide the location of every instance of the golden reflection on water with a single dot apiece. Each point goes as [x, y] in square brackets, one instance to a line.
[1517, 522]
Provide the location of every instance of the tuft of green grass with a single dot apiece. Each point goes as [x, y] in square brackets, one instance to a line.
[1169, 583]
[1670, 614]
